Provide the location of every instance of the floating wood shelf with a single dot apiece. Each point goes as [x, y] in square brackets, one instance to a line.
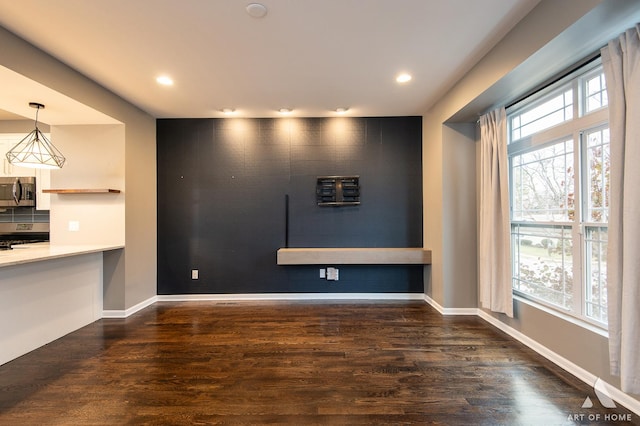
[81, 191]
[354, 256]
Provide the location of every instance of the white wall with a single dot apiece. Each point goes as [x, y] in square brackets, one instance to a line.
[553, 36]
[135, 280]
[21, 126]
[95, 159]
[459, 214]
[43, 301]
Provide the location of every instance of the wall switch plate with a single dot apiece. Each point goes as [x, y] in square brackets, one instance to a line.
[323, 273]
[333, 274]
[194, 274]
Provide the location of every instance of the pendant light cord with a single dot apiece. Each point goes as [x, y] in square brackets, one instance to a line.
[37, 111]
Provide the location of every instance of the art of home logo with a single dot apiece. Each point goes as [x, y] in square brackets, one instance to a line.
[606, 401]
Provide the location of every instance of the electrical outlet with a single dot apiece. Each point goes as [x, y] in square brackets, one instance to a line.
[194, 274]
[323, 273]
[74, 225]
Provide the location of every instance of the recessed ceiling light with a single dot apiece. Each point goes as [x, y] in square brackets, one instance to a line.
[403, 78]
[165, 80]
[342, 110]
[256, 10]
[285, 110]
[228, 111]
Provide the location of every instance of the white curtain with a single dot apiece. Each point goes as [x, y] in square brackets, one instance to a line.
[621, 62]
[495, 229]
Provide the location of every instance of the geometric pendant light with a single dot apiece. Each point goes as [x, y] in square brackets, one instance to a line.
[35, 150]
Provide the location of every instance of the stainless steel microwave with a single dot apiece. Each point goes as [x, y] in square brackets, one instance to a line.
[17, 191]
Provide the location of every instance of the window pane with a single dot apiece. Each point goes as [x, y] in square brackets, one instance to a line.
[553, 111]
[543, 184]
[598, 176]
[559, 197]
[596, 92]
[542, 263]
[596, 273]
[543, 122]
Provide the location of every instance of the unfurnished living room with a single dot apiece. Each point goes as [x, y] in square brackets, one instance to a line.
[319, 212]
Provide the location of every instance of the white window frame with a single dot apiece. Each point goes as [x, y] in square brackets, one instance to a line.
[572, 129]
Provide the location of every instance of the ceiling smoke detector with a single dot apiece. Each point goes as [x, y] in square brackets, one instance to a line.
[256, 10]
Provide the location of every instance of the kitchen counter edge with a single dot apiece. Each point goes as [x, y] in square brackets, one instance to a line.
[37, 252]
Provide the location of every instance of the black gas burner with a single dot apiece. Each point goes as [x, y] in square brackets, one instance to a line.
[7, 245]
[12, 234]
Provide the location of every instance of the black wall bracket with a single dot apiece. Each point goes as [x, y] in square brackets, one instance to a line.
[338, 190]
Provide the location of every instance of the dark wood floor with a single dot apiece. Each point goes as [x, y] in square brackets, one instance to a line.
[289, 363]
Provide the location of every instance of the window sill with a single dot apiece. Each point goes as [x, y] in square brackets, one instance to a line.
[566, 317]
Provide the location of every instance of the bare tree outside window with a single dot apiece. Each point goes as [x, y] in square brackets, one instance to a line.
[560, 198]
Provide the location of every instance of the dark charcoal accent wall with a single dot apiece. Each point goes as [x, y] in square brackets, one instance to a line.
[221, 201]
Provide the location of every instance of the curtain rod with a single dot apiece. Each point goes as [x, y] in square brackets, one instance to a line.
[585, 61]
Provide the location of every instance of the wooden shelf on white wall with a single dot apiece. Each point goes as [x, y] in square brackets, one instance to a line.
[81, 191]
[354, 256]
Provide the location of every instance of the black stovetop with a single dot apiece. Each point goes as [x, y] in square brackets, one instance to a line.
[12, 234]
[7, 244]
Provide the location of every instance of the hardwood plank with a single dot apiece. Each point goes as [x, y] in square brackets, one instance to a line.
[289, 363]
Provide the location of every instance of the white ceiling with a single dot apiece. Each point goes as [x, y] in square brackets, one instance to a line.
[6, 115]
[18, 91]
[309, 55]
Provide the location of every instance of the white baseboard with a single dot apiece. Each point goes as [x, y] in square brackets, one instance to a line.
[132, 310]
[288, 296]
[257, 297]
[450, 311]
[582, 374]
[574, 369]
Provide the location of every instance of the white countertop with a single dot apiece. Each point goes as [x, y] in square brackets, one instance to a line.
[27, 253]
